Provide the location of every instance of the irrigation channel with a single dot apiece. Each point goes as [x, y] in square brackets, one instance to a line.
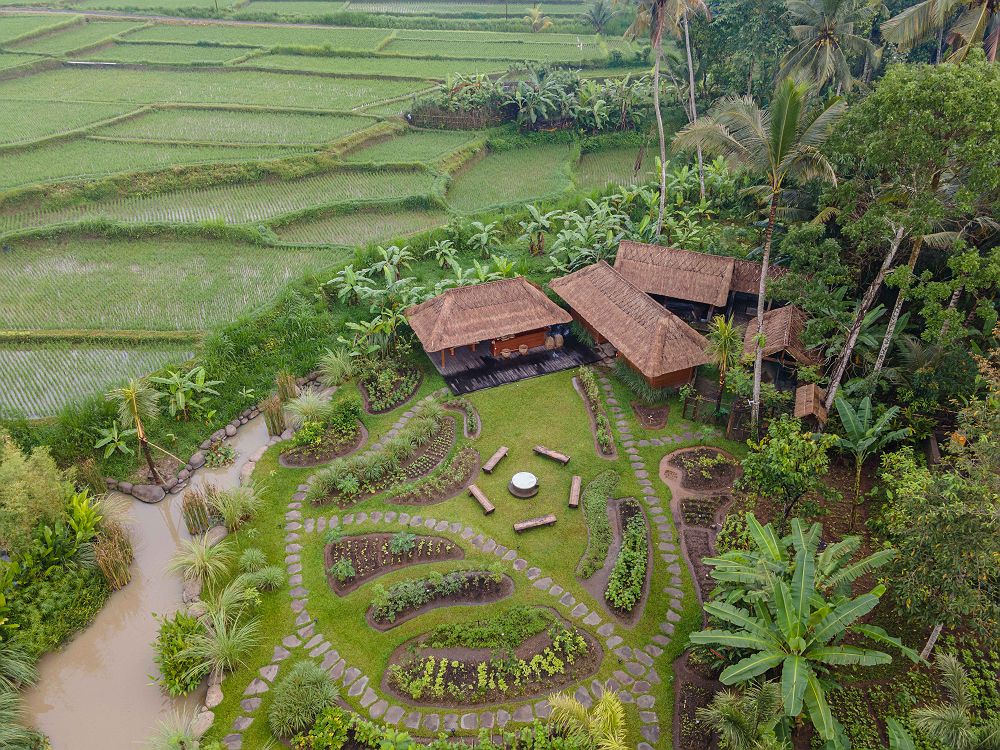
[97, 692]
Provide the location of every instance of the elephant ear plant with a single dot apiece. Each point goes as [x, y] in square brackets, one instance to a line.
[797, 613]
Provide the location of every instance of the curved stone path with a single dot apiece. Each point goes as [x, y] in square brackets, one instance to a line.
[633, 683]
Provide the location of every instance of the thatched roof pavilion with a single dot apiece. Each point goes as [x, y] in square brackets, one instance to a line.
[514, 312]
[783, 329]
[655, 342]
[809, 403]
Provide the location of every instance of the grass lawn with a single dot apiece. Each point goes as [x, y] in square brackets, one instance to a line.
[559, 421]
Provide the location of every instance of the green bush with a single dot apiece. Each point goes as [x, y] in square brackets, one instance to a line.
[595, 512]
[179, 674]
[252, 560]
[269, 578]
[299, 697]
[49, 610]
[629, 573]
[328, 733]
[33, 491]
[506, 631]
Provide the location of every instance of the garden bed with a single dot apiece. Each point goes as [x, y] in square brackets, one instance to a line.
[705, 469]
[620, 512]
[402, 390]
[702, 511]
[371, 557]
[600, 426]
[481, 677]
[693, 689]
[446, 482]
[481, 587]
[307, 456]
[472, 424]
[650, 417]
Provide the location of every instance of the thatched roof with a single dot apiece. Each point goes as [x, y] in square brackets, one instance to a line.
[652, 338]
[687, 275]
[809, 402]
[783, 328]
[470, 314]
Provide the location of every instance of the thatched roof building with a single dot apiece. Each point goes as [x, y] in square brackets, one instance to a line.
[809, 403]
[783, 329]
[687, 275]
[465, 316]
[654, 341]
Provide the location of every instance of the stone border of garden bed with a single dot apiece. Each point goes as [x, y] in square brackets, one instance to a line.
[683, 473]
[358, 582]
[313, 463]
[399, 404]
[448, 493]
[465, 420]
[154, 493]
[613, 455]
[455, 600]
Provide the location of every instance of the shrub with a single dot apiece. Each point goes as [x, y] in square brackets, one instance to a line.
[595, 512]
[299, 698]
[328, 733]
[402, 541]
[343, 570]
[252, 560]
[387, 604]
[270, 578]
[50, 610]
[179, 675]
[199, 559]
[32, 491]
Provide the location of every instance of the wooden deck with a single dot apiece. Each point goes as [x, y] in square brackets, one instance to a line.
[469, 371]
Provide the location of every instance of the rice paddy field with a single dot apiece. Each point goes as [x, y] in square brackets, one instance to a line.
[39, 380]
[142, 96]
[74, 282]
[615, 166]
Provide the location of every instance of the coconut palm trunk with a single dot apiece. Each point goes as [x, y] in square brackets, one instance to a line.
[658, 56]
[896, 310]
[758, 348]
[692, 105]
[863, 307]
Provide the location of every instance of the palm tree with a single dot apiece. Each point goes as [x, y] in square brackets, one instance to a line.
[747, 720]
[725, 347]
[603, 724]
[779, 143]
[536, 21]
[138, 403]
[951, 723]
[978, 22]
[801, 616]
[864, 437]
[825, 34]
[599, 14]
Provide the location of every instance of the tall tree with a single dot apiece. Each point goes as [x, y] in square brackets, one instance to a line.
[725, 347]
[780, 144]
[138, 405]
[972, 22]
[825, 35]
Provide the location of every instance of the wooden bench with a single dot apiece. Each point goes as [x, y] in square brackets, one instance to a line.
[541, 450]
[574, 492]
[534, 523]
[490, 465]
[481, 498]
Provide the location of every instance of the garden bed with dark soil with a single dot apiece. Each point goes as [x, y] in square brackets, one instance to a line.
[593, 410]
[472, 425]
[482, 590]
[400, 395]
[701, 511]
[693, 689]
[307, 456]
[464, 677]
[371, 557]
[651, 417]
[597, 584]
[705, 469]
[455, 476]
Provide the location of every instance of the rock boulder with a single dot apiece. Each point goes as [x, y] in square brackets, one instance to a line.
[148, 493]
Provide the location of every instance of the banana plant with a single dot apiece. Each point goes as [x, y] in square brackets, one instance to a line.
[484, 237]
[443, 251]
[793, 624]
[112, 439]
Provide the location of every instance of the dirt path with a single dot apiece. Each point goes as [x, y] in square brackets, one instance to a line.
[96, 693]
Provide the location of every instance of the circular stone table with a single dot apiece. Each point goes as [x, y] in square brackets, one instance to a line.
[523, 484]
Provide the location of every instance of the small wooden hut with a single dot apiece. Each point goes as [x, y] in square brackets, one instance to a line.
[783, 329]
[649, 338]
[809, 403]
[502, 315]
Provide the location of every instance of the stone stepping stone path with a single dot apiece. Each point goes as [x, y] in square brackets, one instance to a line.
[633, 682]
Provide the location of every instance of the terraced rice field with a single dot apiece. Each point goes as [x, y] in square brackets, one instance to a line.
[236, 126]
[263, 36]
[22, 122]
[13, 27]
[39, 380]
[361, 227]
[486, 9]
[155, 284]
[83, 158]
[296, 8]
[9, 60]
[612, 167]
[76, 37]
[147, 86]
[386, 66]
[508, 49]
[158, 6]
[425, 146]
[511, 177]
[167, 54]
[237, 204]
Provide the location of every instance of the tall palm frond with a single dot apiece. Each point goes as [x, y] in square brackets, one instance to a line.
[978, 22]
[825, 35]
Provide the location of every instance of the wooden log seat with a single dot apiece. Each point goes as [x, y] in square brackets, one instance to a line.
[490, 465]
[541, 450]
[484, 502]
[534, 523]
[574, 491]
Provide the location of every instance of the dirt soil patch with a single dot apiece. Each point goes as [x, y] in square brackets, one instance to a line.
[480, 591]
[651, 417]
[702, 510]
[371, 557]
[692, 690]
[705, 469]
[307, 456]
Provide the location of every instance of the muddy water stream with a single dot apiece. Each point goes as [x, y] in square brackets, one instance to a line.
[96, 693]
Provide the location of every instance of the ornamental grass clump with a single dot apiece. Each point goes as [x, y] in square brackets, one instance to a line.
[237, 505]
[198, 558]
[299, 698]
[195, 510]
[335, 367]
[274, 415]
[113, 554]
[252, 560]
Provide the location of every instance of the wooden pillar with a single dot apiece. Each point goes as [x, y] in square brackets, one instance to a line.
[442, 358]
